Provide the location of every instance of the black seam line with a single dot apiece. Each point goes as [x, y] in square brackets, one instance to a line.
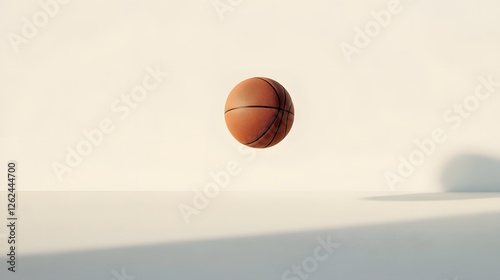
[277, 130]
[281, 119]
[275, 117]
[287, 117]
[259, 106]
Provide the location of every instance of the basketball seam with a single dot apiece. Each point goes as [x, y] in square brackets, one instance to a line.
[275, 117]
[277, 130]
[287, 117]
[281, 119]
[258, 106]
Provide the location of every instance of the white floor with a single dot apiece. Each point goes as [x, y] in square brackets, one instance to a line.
[257, 235]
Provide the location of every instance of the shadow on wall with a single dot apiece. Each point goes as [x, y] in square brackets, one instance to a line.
[463, 175]
[471, 173]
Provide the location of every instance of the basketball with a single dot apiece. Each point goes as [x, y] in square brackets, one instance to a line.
[259, 112]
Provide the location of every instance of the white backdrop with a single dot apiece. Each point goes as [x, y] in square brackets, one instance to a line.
[368, 79]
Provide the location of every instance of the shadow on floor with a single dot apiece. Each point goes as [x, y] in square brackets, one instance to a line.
[434, 196]
[462, 248]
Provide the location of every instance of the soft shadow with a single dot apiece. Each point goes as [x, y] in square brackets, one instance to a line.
[464, 247]
[434, 196]
[464, 177]
[472, 173]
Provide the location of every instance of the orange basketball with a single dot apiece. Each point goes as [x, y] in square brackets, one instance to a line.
[259, 112]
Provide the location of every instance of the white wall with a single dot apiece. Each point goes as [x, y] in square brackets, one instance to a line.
[353, 119]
